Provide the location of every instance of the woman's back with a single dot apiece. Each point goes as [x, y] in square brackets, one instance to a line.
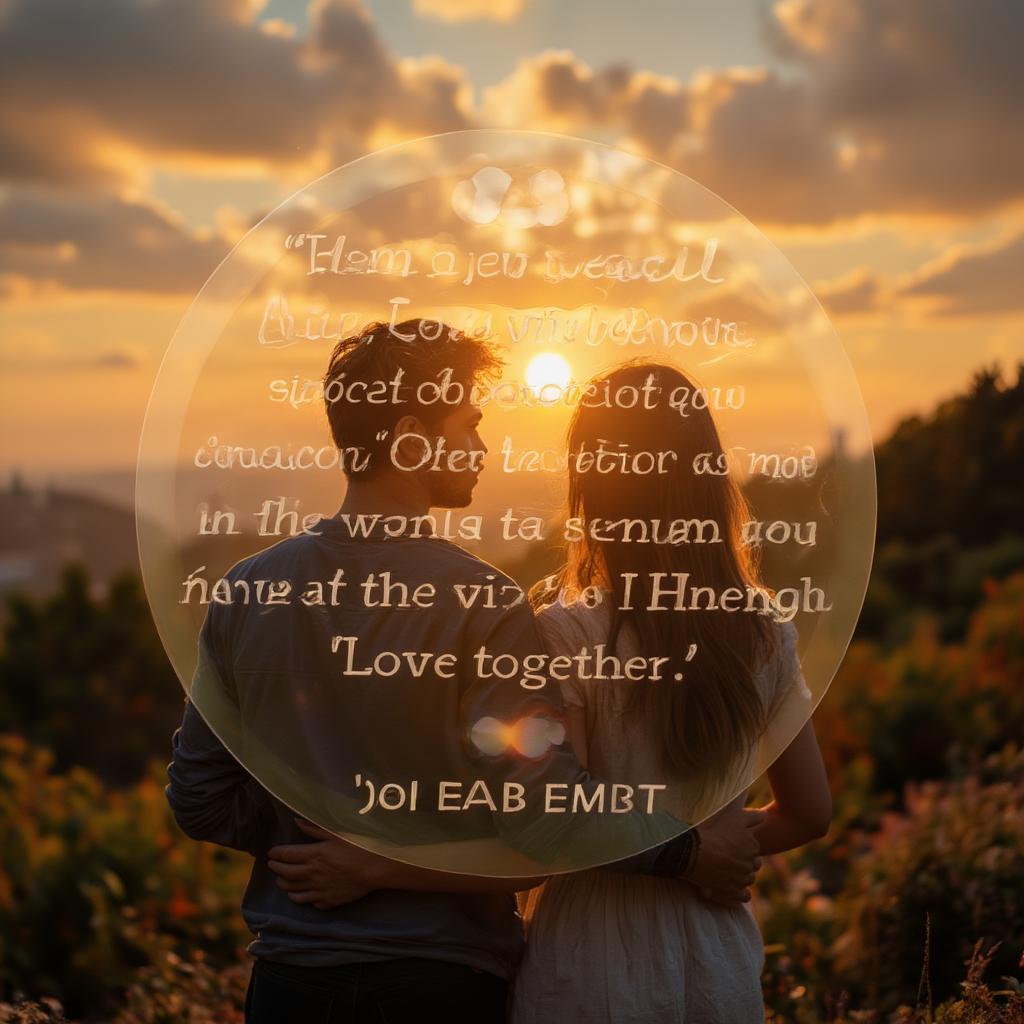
[621, 745]
[607, 945]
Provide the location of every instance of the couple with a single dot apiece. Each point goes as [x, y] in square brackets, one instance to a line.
[347, 935]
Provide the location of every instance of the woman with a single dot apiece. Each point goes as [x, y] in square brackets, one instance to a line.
[607, 946]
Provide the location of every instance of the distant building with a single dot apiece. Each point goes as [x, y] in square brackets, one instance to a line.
[43, 529]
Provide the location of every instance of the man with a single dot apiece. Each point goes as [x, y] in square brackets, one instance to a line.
[341, 934]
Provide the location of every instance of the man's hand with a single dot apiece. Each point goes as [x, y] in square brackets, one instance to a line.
[729, 856]
[327, 873]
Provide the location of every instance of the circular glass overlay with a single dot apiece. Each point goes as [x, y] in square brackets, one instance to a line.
[549, 564]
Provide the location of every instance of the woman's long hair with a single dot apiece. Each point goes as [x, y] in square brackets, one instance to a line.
[703, 723]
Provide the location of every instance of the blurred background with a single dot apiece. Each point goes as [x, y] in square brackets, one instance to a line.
[876, 142]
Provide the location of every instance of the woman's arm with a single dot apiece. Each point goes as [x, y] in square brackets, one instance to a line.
[802, 806]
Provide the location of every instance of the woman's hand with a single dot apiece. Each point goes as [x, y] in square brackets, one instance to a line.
[327, 873]
[729, 856]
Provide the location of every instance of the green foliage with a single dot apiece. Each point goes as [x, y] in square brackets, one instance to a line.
[47, 1011]
[980, 1002]
[177, 991]
[957, 470]
[94, 883]
[955, 858]
[991, 682]
[76, 671]
[939, 577]
[950, 494]
[922, 894]
[921, 747]
[927, 710]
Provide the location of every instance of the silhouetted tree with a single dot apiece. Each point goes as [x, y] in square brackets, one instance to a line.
[88, 678]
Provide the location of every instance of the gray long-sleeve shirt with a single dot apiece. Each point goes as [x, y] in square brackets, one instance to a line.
[216, 800]
[274, 690]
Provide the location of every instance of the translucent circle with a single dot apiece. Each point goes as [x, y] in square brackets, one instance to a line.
[395, 688]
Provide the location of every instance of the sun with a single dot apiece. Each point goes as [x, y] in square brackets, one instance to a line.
[546, 369]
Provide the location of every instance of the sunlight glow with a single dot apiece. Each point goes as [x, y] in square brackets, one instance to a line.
[547, 368]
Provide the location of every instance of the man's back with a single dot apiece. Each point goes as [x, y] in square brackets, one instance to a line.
[282, 685]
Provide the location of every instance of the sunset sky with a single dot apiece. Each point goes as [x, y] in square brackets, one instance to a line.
[876, 142]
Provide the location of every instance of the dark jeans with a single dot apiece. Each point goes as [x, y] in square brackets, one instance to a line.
[387, 992]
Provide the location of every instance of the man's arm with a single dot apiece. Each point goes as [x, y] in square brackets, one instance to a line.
[332, 871]
[212, 796]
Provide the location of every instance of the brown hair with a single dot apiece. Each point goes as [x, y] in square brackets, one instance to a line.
[709, 718]
[377, 354]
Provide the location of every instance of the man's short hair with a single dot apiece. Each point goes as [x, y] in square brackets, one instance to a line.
[374, 357]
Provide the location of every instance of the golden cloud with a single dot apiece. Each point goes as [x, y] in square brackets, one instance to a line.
[968, 280]
[853, 294]
[88, 240]
[899, 108]
[971, 280]
[102, 93]
[905, 108]
[470, 10]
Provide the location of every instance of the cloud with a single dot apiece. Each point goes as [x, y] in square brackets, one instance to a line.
[89, 240]
[761, 145]
[890, 109]
[116, 360]
[470, 10]
[557, 90]
[99, 92]
[971, 280]
[886, 109]
[745, 133]
[851, 295]
[925, 94]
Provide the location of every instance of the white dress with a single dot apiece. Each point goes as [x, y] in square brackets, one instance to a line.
[610, 947]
